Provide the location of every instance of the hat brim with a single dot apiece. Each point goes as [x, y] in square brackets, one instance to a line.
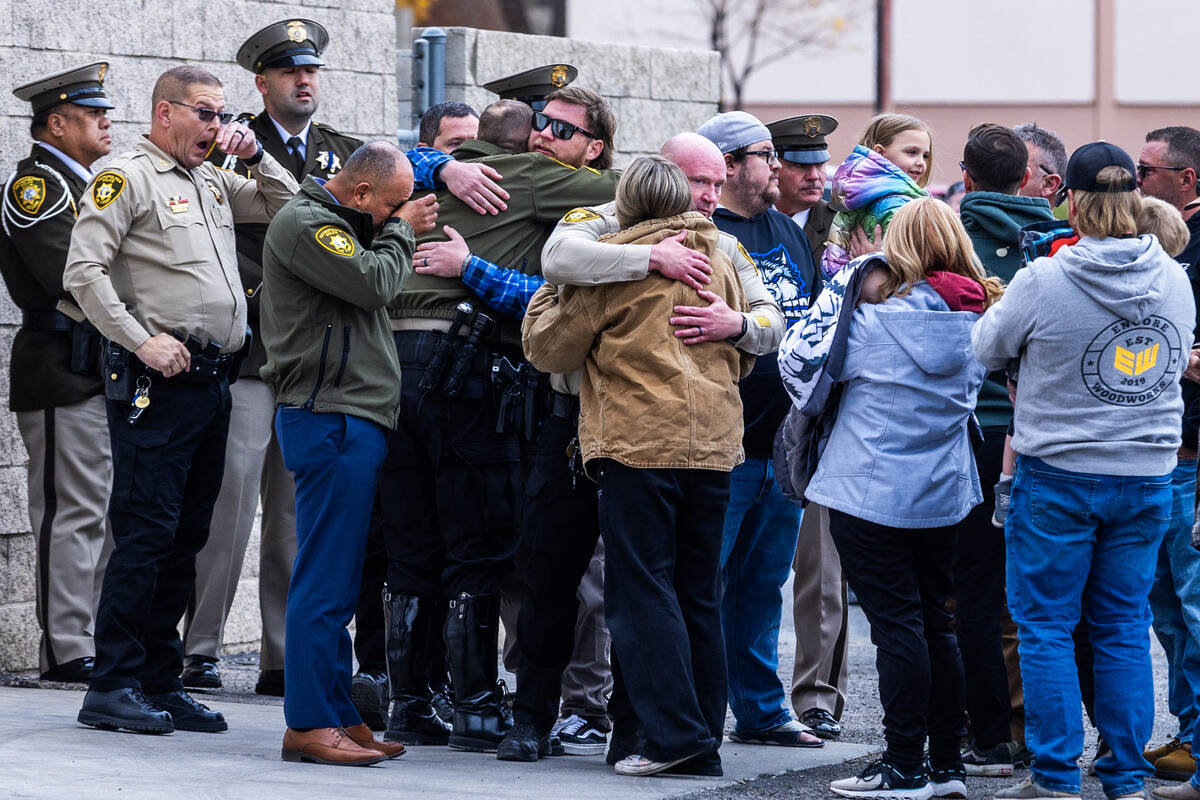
[805, 156]
[93, 102]
[297, 60]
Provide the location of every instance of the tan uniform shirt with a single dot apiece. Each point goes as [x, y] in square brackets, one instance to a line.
[153, 249]
[573, 257]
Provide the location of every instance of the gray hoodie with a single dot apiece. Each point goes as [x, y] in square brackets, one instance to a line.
[1103, 330]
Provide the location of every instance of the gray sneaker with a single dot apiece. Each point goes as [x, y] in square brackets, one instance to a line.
[1003, 492]
[1029, 789]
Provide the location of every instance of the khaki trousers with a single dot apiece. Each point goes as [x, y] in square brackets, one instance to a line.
[70, 476]
[819, 609]
[253, 470]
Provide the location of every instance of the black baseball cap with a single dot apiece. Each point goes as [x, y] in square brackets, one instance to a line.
[1087, 162]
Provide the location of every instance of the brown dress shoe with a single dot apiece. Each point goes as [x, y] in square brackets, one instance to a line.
[1155, 753]
[331, 746]
[1178, 765]
[362, 736]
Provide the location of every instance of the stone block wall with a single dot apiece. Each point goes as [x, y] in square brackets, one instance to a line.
[140, 39]
[655, 92]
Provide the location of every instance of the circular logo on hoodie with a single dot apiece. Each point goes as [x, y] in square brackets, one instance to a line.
[1132, 363]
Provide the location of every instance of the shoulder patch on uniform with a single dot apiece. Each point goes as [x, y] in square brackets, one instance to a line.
[106, 188]
[29, 192]
[580, 215]
[336, 240]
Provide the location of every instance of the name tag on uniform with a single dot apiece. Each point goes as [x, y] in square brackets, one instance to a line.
[178, 204]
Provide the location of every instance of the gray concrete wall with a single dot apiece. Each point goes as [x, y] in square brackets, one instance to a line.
[655, 92]
[140, 39]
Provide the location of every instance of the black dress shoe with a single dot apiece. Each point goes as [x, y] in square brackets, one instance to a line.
[270, 683]
[188, 714]
[822, 723]
[369, 693]
[201, 672]
[123, 708]
[523, 743]
[77, 670]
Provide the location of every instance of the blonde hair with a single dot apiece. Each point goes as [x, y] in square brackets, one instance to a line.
[651, 188]
[1102, 214]
[882, 129]
[926, 235]
[1164, 221]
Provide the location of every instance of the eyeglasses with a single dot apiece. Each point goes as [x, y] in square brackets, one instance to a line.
[1046, 170]
[963, 166]
[206, 114]
[1142, 169]
[560, 128]
[770, 156]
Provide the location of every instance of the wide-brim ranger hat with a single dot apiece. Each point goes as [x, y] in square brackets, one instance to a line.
[801, 139]
[83, 86]
[288, 43]
[532, 85]
[1088, 161]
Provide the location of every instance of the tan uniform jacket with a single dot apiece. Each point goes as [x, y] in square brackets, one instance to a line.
[154, 250]
[574, 257]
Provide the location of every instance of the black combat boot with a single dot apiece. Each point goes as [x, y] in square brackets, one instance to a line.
[412, 625]
[481, 718]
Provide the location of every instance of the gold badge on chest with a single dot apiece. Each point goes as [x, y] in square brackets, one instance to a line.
[329, 161]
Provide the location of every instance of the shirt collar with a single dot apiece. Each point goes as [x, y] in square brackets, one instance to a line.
[321, 182]
[284, 135]
[79, 169]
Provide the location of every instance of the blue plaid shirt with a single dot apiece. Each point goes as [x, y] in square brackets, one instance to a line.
[506, 290]
[425, 162]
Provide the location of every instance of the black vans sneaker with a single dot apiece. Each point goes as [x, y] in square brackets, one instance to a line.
[880, 780]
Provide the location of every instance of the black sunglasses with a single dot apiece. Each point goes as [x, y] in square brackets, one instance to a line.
[560, 128]
[206, 114]
[1142, 169]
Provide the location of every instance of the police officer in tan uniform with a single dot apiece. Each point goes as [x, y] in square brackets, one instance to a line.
[153, 264]
[55, 386]
[285, 58]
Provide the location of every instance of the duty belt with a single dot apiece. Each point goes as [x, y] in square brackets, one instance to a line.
[45, 321]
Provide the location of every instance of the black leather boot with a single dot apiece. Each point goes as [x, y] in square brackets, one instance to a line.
[481, 718]
[413, 625]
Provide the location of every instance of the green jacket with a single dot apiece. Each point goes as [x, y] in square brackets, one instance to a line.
[326, 278]
[541, 190]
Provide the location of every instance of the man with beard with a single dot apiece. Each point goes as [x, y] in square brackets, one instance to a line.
[761, 525]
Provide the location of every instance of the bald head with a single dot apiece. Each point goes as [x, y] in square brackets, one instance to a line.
[376, 180]
[702, 163]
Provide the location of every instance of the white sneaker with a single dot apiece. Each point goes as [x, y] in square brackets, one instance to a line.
[638, 765]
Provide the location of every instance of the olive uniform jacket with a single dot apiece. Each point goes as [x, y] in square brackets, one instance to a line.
[326, 278]
[816, 228]
[39, 210]
[326, 150]
[541, 190]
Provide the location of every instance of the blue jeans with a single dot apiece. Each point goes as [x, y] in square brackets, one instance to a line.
[335, 459]
[1175, 602]
[1080, 543]
[759, 543]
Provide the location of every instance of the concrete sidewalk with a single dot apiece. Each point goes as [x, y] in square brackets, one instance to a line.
[45, 753]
